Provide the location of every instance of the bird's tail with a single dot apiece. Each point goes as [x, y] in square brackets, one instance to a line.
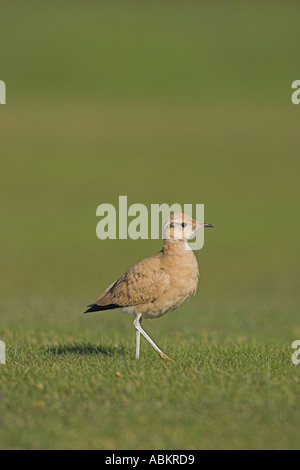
[98, 308]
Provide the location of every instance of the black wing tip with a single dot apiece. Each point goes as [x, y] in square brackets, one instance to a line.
[91, 308]
[98, 308]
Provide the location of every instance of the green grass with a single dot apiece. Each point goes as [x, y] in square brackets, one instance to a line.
[74, 383]
[82, 393]
[188, 102]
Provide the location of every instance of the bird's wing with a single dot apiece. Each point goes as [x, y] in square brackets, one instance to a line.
[142, 283]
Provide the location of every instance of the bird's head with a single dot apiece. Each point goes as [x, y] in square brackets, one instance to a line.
[181, 227]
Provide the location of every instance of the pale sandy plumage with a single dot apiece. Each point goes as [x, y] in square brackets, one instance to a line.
[157, 285]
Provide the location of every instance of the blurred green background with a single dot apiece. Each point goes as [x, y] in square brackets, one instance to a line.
[186, 102]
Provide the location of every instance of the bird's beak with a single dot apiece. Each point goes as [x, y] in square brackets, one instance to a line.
[200, 225]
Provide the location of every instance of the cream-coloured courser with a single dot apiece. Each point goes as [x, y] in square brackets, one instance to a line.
[158, 284]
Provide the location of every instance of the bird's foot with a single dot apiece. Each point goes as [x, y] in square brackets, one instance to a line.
[163, 356]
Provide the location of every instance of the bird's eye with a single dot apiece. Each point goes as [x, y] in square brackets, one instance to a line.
[183, 224]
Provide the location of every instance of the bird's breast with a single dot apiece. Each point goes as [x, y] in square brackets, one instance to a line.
[183, 274]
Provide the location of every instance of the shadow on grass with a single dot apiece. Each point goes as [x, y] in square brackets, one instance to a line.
[86, 349]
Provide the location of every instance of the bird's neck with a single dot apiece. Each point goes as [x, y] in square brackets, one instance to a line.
[177, 247]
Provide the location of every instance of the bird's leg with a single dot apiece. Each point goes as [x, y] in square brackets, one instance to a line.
[139, 329]
[138, 341]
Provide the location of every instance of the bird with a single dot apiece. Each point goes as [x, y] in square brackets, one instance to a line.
[158, 284]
